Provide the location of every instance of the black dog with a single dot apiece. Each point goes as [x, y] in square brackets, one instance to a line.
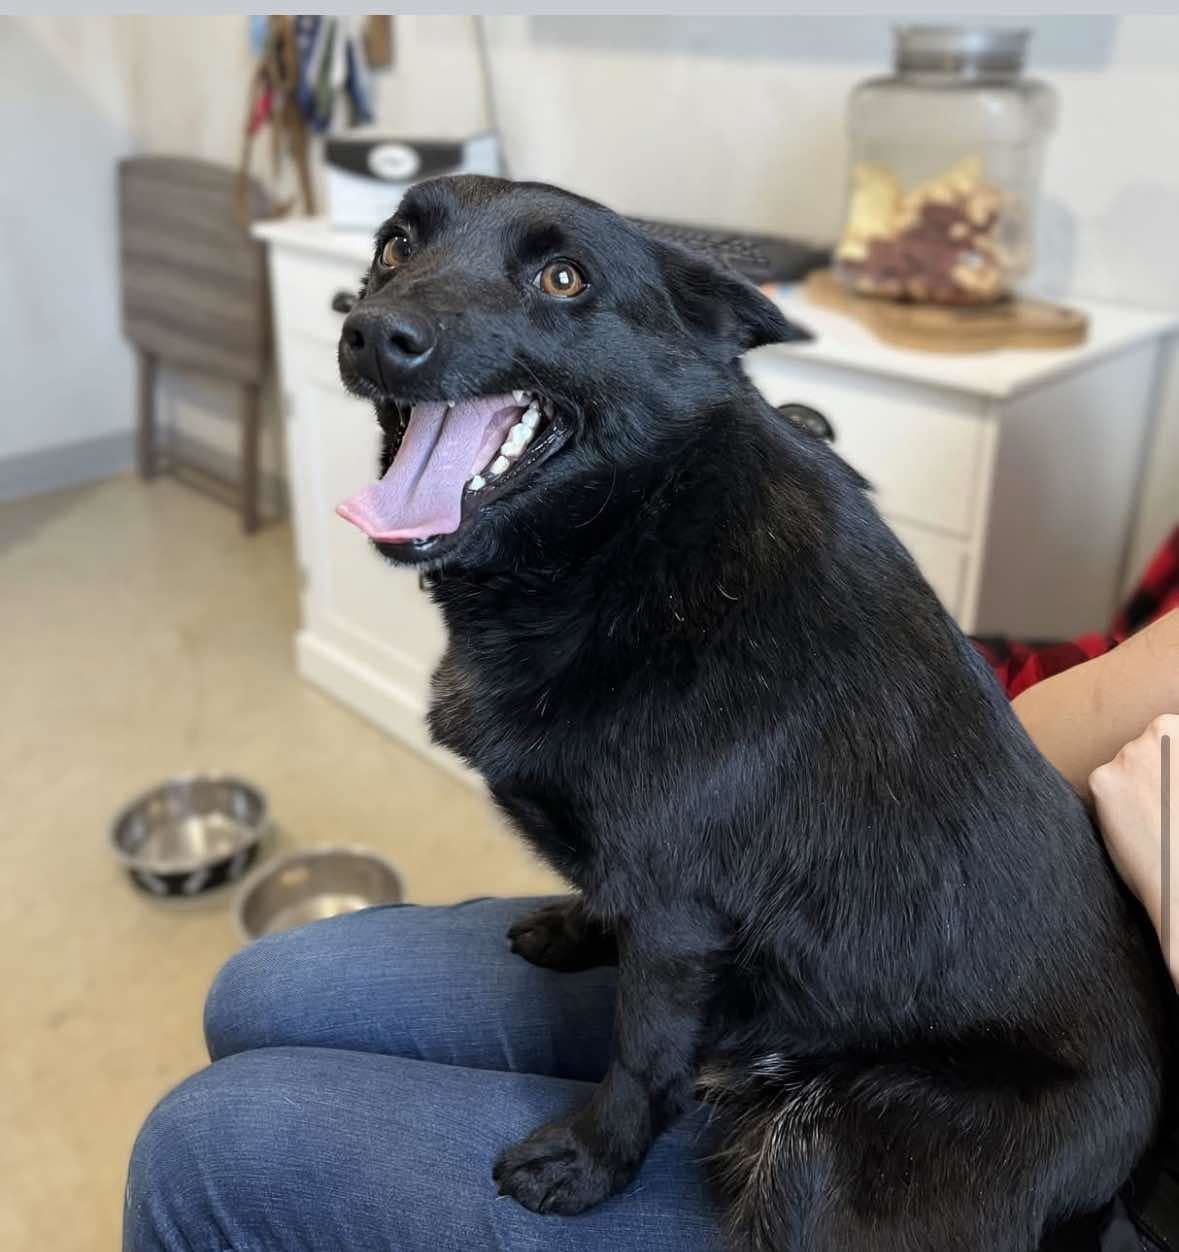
[701, 676]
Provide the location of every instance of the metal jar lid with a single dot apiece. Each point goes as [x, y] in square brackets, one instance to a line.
[961, 51]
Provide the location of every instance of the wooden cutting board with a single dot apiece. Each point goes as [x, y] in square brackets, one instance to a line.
[1014, 323]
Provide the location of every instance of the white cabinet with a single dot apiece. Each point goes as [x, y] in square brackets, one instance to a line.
[355, 600]
[369, 635]
[1010, 476]
[920, 451]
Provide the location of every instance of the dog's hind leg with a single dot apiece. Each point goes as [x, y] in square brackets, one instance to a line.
[892, 1160]
[563, 936]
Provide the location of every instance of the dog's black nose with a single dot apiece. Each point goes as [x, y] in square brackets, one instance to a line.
[387, 342]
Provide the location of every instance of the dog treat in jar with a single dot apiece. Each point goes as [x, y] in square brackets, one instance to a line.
[946, 156]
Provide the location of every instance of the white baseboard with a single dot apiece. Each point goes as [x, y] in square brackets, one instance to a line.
[373, 695]
[66, 465]
[72, 464]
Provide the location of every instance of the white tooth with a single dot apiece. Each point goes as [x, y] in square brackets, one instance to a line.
[497, 467]
[477, 483]
[518, 396]
[450, 404]
[531, 419]
[518, 439]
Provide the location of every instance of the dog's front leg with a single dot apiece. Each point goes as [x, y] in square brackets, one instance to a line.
[563, 936]
[665, 970]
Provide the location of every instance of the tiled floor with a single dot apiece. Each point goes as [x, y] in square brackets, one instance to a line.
[140, 636]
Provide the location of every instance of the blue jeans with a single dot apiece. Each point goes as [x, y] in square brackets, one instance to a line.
[366, 1073]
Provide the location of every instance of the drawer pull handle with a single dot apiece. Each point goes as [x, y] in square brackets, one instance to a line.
[815, 423]
[809, 419]
[343, 302]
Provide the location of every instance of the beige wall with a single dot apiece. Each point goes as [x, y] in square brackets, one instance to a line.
[65, 119]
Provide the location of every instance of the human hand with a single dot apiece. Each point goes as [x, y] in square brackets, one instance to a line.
[1129, 794]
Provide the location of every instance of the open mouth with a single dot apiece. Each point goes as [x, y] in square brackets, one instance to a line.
[453, 457]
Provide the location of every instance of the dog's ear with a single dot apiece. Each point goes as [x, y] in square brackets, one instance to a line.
[721, 308]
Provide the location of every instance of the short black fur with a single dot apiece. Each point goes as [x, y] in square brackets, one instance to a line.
[850, 902]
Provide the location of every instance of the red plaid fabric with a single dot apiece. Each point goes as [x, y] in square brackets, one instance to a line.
[1020, 665]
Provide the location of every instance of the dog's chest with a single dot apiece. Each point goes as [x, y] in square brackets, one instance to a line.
[499, 720]
[534, 757]
[455, 705]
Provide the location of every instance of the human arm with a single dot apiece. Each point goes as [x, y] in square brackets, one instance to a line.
[1081, 718]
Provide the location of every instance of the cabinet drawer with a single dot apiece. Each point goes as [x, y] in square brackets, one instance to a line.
[303, 290]
[371, 611]
[921, 455]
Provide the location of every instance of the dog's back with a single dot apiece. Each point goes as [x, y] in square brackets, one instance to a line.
[957, 1039]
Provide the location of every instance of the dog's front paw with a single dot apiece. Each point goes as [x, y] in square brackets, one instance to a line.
[559, 936]
[555, 1171]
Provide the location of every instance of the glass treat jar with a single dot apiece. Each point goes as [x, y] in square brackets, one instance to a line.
[945, 168]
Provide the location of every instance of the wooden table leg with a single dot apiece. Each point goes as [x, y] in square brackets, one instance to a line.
[146, 440]
[251, 420]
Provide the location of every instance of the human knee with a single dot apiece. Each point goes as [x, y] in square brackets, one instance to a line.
[165, 1208]
[259, 996]
[192, 1184]
[235, 1008]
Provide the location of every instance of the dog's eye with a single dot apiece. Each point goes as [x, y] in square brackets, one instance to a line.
[561, 278]
[396, 249]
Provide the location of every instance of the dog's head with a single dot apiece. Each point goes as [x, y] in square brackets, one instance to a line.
[516, 340]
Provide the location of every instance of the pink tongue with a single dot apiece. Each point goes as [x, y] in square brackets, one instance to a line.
[421, 493]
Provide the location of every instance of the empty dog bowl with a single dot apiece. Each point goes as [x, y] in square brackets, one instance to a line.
[191, 834]
[312, 884]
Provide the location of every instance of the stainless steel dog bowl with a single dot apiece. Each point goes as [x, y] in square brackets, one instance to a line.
[191, 834]
[312, 884]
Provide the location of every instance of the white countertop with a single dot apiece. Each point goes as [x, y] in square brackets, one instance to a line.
[314, 234]
[1002, 372]
[841, 340]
